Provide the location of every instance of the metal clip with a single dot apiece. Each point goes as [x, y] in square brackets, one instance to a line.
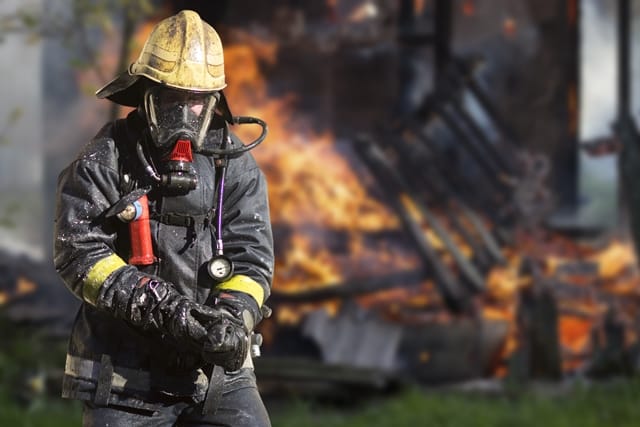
[153, 285]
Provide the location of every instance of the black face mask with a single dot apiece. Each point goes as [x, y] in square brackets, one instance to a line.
[174, 114]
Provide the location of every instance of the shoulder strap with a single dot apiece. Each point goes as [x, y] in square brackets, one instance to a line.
[128, 182]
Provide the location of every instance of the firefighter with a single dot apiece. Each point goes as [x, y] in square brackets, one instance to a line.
[164, 331]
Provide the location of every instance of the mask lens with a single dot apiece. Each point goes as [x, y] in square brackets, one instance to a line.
[179, 113]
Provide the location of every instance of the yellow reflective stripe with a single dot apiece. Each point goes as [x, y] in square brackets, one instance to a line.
[244, 284]
[98, 274]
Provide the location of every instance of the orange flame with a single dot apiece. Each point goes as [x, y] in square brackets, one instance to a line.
[314, 192]
[509, 27]
[22, 286]
[469, 8]
[311, 186]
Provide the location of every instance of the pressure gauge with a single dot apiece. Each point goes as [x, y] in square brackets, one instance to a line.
[220, 268]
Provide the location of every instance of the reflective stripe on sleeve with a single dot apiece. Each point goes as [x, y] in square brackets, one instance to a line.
[98, 274]
[244, 284]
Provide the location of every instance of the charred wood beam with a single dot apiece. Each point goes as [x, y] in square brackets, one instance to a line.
[485, 201]
[614, 355]
[409, 35]
[415, 38]
[442, 165]
[451, 289]
[538, 355]
[443, 29]
[469, 271]
[480, 253]
[350, 288]
[624, 58]
[404, 152]
[491, 171]
[491, 149]
[417, 166]
[463, 71]
[406, 16]
[626, 129]
[496, 205]
[490, 243]
[419, 159]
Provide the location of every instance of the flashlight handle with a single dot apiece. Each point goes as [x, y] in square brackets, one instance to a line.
[140, 232]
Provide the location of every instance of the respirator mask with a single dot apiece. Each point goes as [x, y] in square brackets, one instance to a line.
[178, 122]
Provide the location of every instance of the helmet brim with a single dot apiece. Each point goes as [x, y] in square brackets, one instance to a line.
[126, 89]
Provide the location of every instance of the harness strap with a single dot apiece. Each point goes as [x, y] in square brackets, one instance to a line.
[123, 378]
[121, 138]
[182, 220]
[103, 388]
[214, 393]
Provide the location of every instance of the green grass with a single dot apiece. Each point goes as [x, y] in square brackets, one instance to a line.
[30, 365]
[600, 405]
[41, 413]
[593, 406]
[596, 405]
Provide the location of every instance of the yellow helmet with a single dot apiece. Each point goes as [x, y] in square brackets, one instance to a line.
[182, 52]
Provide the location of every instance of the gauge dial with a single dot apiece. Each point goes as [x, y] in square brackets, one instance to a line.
[220, 268]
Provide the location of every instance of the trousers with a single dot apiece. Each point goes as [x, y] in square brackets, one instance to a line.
[238, 407]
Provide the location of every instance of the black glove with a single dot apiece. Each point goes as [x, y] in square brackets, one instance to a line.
[156, 305]
[230, 338]
[242, 306]
[227, 342]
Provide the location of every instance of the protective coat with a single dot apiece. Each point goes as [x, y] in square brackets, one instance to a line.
[107, 358]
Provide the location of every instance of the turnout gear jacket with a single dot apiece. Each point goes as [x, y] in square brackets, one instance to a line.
[109, 360]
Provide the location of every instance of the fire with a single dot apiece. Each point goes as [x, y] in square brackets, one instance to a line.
[583, 280]
[367, 10]
[509, 27]
[419, 6]
[575, 338]
[292, 315]
[432, 236]
[503, 283]
[21, 287]
[312, 187]
[614, 260]
[317, 197]
[469, 7]
[309, 182]
[418, 296]
[24, 286]
[324, 217]
[300, 270]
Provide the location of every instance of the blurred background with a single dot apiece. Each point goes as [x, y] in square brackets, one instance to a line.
[451, 187]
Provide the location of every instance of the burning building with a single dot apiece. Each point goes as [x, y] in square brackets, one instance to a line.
[414, 236]
[411, 196]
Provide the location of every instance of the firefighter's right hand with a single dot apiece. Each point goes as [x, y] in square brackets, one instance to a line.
[155, 304]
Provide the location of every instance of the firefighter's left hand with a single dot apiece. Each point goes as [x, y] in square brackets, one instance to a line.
[242, 306]
[227, 343]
